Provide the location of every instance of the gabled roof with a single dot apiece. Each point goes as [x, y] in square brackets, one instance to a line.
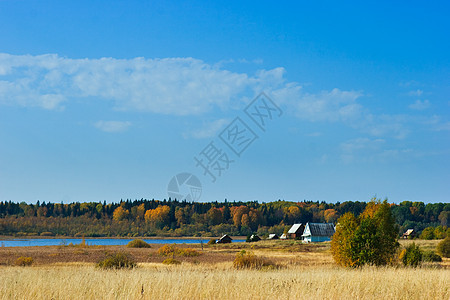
[319, 229]
[409, 231]
[295, 228]
[272, 236]
[225, 237]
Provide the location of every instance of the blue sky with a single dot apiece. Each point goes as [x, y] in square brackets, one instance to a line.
[110, 100]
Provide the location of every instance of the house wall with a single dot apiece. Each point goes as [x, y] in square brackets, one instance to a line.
[316, 239]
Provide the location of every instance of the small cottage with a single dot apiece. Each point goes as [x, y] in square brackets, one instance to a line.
[409, 234]
[254, 238]
[283, 236]
[224, 239]
[318, 232]
[273, 236]
[296, 231]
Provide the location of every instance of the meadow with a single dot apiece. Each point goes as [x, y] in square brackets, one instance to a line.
[298, 272]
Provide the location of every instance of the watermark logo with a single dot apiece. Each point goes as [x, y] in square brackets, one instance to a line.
[184, 186]
[219, 154]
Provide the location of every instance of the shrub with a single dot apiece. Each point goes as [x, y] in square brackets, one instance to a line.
[167, 250]
[138, 243]
[247, 260]
[171, 261]
[187, 252]
[211, 242]
[443, 248]
[427, 233]
[411, 256]
[117, 261]
[24, 261]
[431, 256]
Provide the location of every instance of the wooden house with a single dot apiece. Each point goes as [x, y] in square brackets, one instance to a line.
[318, 232]
[224, 239]
[296, 231]
[284, 236]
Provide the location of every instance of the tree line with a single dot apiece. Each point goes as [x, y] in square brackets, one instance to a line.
[181, 218]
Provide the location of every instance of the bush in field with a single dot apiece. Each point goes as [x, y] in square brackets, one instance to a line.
[411, 256]
[370, 238]
[431, 256]
[172, 250]
[187, 252]
[211, 242]
[138, 243]
[247, 260]
[171, 261]
[443, 248]
[117, 261]
[24, 261]
[167, 250]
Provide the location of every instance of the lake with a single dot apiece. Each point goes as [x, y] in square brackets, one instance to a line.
[95, 241]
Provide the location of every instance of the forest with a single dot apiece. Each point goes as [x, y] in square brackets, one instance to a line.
[130, 218]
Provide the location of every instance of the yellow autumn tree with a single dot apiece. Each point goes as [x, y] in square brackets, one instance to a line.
[120, 213]
[158, 216]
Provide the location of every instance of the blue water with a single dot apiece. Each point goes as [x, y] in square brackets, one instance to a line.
[94, 242]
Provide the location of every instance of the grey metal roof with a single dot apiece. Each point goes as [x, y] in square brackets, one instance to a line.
[294, 228]
[319, 229]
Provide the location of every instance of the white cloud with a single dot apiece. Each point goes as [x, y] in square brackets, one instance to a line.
[178, 86]
[112, 126]
[415, 93]
[420, 105]
[209, 130]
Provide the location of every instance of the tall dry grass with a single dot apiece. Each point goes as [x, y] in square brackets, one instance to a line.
[186, 281]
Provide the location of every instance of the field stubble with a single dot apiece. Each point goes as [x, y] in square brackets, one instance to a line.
[306, 272]
[187, 281]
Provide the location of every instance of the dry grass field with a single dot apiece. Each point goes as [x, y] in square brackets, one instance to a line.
[303, 272]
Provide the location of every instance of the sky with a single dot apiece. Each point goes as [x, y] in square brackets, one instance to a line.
[214, 100]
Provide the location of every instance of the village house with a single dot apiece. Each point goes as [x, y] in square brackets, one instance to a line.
[273, 236]
[224, 239]
[296, 231]
[254, 238]
[409, 234]
[318, 232]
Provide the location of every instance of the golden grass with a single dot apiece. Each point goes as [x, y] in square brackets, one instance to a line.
[306, 271]
[423, 244]
[187, 281]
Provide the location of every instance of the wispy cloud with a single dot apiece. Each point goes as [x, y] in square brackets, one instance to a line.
[112, 126]
[369, 150]
[415, 93]
[208, 130]
[420, 105]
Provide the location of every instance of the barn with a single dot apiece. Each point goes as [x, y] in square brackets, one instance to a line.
[318, 232]
[296, 231]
